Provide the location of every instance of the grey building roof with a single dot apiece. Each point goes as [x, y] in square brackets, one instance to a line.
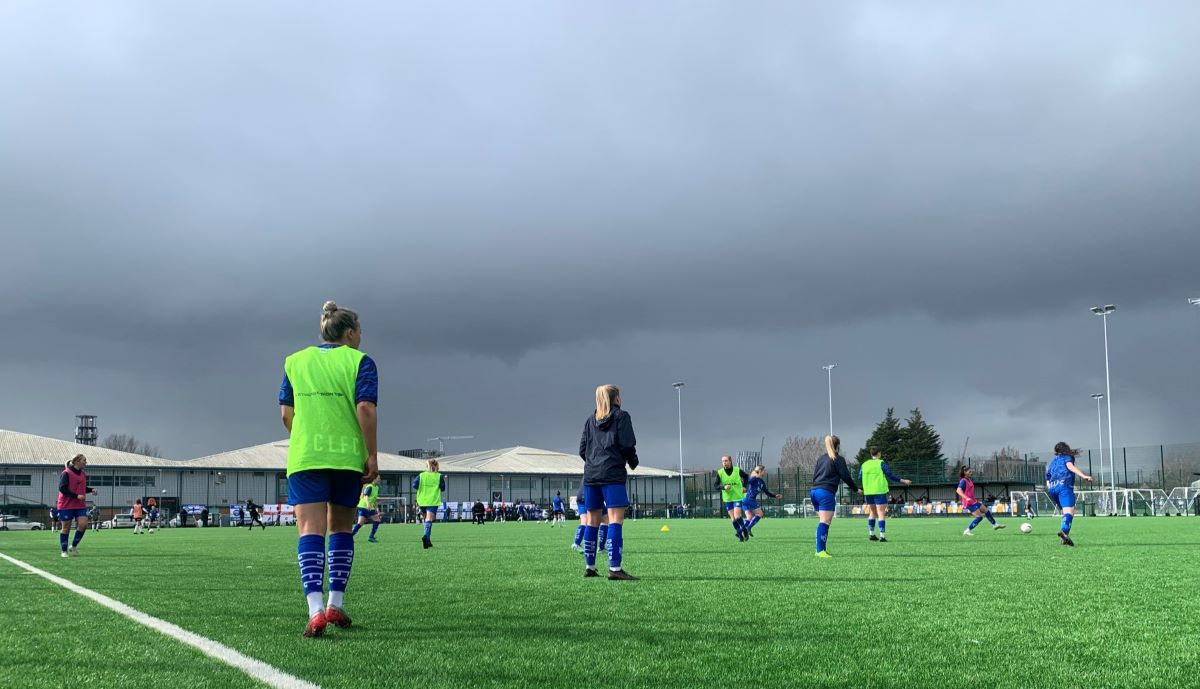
[273, 456]
[23, 448]
[528, 460]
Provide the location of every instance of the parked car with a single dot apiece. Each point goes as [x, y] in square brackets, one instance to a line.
[791, 509]
[120, 521]
[9, 522]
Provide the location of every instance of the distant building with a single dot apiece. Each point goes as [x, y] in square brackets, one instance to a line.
[420, 453]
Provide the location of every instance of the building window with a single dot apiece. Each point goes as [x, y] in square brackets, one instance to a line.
[16, 480]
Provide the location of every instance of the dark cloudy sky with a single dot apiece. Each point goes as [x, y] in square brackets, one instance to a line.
[525, 200]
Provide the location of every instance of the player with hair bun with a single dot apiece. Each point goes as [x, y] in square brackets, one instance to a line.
[327, 401]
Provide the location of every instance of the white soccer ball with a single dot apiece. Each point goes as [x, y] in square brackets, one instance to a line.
[1026, 527]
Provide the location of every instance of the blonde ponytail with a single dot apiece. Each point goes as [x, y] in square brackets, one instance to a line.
[605, 396]
[832, 445]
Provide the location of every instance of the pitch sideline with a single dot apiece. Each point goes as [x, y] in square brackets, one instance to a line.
[256, 669]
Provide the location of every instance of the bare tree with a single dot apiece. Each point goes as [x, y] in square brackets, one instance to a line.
[801, 452]
[129, 443]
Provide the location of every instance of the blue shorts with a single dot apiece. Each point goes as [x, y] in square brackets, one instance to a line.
[610, 495]
[337, 486]
[68, 515]
[732, 505]
[972, 507]
[749, 505]
[880, 499]
[823, 500]
[367, 514]
[1063, 496]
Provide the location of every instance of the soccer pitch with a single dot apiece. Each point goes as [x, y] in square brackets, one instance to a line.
[505, 605]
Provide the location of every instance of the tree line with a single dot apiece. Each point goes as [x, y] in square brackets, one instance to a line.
[912, 448]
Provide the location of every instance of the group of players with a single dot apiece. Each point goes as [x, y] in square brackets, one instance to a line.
[328, 405]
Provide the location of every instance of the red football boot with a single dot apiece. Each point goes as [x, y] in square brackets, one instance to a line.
[337, 616]
[316, 625]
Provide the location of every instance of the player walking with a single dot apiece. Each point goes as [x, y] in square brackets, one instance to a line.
[1060, 484]
[328, 404]
[873, 475]
[429, 485]
[829, 471]
[750, 506]
[607, 446]
[966, 490]
[72, 503]
[731, 481]
[367, 510]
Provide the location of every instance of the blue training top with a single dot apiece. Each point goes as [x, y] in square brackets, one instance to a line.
[755, 486]
[557, 502]
[1057, 473]
[366, 386]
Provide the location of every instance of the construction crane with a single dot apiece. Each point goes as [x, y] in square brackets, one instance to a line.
[441, 441]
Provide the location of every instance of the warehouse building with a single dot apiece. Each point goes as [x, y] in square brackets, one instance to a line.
[30, 466]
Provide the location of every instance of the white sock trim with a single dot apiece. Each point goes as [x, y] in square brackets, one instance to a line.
[316, 602]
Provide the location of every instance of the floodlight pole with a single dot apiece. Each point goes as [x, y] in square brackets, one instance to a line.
[829, 374]
[679, 398]
[1100, 431]
[1103, 312]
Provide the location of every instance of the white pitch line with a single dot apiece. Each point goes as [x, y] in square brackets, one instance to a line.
[257, 669]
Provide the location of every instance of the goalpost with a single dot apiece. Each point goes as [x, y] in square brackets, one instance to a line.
[1037, 501]
[394, 510]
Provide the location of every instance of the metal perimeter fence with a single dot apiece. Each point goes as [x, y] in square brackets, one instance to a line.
[1159, 468]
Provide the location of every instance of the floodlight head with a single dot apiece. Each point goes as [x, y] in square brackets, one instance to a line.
[829, 367]
[678, 385]
[1194, 301]
[1103, 310]
[1098, 396]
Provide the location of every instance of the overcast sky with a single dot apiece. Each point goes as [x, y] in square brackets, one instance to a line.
[526, 200]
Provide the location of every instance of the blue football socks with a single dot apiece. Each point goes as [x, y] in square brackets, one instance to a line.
[615, 545]
[822, 537]
[589, 546]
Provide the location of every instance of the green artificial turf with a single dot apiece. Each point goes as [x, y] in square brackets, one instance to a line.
[505, 605]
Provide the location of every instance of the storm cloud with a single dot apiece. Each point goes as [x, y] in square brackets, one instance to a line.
[525, 200]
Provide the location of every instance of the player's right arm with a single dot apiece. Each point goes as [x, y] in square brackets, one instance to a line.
[962, 485]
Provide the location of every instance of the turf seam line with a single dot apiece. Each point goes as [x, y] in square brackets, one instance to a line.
[256, 669]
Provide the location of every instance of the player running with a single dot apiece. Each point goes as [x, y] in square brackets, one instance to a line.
[829, 471]
[557, 515]
[367, 510]
[1060, 484]
[873, 475]
[328, 404]
[750, 506]
[72, 503]
[966, 490]
[429, 485]
[731, 481]
[254, 516]
[607, 446]
[138, 515]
